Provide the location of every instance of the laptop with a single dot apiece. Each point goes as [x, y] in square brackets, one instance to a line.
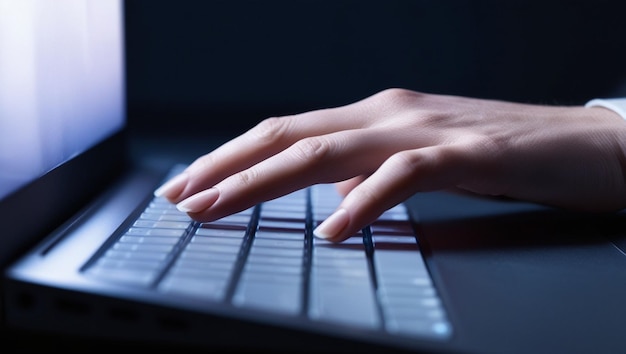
[90, 256]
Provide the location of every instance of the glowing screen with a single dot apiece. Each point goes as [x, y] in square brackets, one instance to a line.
[61, 83]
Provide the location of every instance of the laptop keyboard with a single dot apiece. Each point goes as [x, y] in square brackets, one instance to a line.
[266, 258]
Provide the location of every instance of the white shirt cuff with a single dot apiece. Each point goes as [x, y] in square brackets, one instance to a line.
[617, 105]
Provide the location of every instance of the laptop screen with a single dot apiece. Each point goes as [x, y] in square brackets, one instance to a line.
[62, 112]
[61, 83]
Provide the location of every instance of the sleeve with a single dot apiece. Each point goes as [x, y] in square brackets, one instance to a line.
[617, 105]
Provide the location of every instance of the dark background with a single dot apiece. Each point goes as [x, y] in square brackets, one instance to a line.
[218, 67]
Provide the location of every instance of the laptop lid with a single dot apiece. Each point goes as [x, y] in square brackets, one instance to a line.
[62, 107]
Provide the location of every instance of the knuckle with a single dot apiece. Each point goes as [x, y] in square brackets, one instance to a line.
[412, 164]
[398, 102]
[398, 95]
[425, 110]
[245, 178]
[408, 159]
[313, 149]
[271, 130]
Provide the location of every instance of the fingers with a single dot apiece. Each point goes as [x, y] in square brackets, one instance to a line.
[328, 158]
[268, 138]
[399, 177]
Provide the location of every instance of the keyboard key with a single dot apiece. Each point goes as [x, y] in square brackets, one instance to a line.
[134, 255]
[205, 243]
[279, 235]
[209, 271]
[203, 288]
[140, 231]
[200, 257]
[392, 228]
[277, 252]
[128, 264]
[344, 302]
[237, 219]
[282, 225]
[279, 260]
[136, 277]
[278, 269]
[282, 297]
[142, 247]
[161, 224]
[269, 214]
[159, 216]
[211, 247]
[355, 240]
[148, 240]
[328, 251]
[219, 232]
[419, 327]
[279, 243]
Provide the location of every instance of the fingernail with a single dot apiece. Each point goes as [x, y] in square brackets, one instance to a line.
[199, 201]
[333, 225]
[173, 187]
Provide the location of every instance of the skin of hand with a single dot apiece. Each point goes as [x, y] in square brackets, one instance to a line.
[385, 148]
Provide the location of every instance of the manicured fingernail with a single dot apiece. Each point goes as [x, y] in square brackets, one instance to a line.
[199, 201]
[333, 225]
[173, 187]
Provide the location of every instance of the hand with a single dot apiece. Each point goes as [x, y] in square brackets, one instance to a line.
[387, 147]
